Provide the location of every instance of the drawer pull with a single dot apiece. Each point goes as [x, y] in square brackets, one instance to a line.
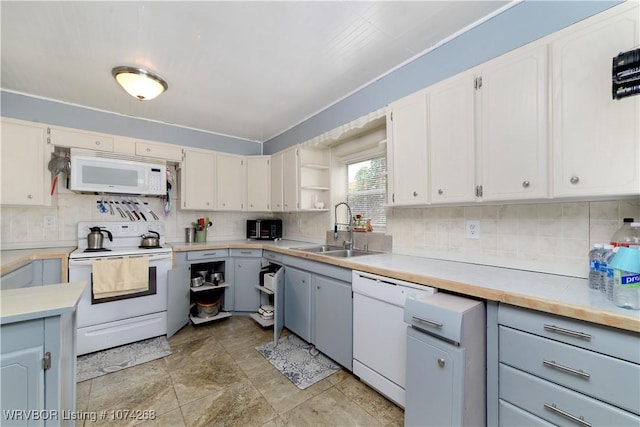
[578, 420]
[210, 254]
[553, 364]
[558, 329]
[427, 321]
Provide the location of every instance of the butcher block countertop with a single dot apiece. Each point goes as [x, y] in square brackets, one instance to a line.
[14, 259]
[551, 293]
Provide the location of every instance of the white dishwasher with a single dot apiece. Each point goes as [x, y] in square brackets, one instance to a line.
[379, 331]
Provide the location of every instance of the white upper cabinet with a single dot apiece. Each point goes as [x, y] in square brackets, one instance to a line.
[158, 151]
[407, 150]
[452, 139]
[197, 180]
[258, 183]
[513, 143]
[24, 159]
[231, 182]
[79, 139]
[277, 189]
[596, 138]
[290, 186]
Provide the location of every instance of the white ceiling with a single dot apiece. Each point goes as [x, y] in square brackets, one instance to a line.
[245, 69]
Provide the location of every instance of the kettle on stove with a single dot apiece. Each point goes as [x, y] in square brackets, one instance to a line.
[95, 238]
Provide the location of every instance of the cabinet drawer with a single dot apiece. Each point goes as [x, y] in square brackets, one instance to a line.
[557, 404]
[442, 314]
[63, 138]
[159, 151]
[603, 377]
[513, 416]
[212, 253]
[255, 253]
[606, 340]
[273, 256]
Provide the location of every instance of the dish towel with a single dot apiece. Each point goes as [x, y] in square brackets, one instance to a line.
[115, 277]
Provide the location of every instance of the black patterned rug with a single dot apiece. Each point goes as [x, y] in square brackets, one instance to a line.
[298, 360]
[115, 359]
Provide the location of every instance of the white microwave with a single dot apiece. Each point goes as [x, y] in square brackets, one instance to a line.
[97, 172]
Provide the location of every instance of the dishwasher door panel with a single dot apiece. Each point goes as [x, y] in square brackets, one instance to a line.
[379, 337]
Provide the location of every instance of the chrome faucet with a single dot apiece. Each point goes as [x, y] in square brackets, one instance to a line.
[347, 244]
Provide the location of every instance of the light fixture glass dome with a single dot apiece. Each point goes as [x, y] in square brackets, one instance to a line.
[139, 83]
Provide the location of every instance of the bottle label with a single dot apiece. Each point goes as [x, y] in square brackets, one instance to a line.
[629, 280]
[594, 264]
[602, 267]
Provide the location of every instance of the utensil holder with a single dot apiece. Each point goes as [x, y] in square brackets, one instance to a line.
[201, 236]
[189, 234]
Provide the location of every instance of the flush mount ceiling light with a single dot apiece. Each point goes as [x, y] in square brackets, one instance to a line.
[139, 83]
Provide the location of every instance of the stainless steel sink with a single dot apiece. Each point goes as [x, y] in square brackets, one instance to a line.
[321, 249]
[348, 253]
[336, 251]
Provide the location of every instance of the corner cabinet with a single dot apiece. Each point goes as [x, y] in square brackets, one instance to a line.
[596, 138]
[407, 149]
[565, 371]
[38, 355]
[197, 180]
[24, 158]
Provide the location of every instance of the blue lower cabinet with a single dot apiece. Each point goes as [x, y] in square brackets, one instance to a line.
[297, 302]
[333, 319]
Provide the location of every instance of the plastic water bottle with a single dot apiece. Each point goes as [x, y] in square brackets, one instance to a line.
[626, 283]
[595, 257]
[605, 257]
[627, 235]
[608, 280]
[626, 289]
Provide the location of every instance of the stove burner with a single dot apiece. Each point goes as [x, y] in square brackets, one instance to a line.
[97, 250]
[150, 247]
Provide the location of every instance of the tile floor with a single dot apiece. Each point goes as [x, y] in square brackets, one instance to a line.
[215, 377]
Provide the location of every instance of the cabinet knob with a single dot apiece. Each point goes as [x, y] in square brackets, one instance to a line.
[148, 150]
[525, 184]
[29, 196]
[574, 179]
[440, 191]
[441, 362]
[97, 142]
[318, 287]
[415, 194]
[207, 203]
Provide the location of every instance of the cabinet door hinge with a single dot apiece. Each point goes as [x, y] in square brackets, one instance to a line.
[393, 197]
[477, 82]
[478, 190]
[391, 118]
[46, 361]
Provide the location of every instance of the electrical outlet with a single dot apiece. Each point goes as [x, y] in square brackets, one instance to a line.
[49, 221]
[472, 229]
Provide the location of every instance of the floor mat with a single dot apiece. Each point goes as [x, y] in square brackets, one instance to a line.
[298, 360]
[115, 359]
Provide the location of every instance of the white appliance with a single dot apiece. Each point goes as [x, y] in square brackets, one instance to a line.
[111, 322]
[98, 172]
[379, 331]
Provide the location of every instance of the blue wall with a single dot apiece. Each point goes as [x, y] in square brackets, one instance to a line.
[517, 26]
[521, 24]
[57, 113]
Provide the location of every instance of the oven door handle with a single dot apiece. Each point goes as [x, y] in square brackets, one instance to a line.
[89, 261]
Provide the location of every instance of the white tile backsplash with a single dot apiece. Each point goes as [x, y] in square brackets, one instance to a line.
[549, 234]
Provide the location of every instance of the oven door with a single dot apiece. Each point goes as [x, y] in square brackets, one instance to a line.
[95, 312]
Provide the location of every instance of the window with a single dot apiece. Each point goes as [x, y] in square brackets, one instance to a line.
[367, 189]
